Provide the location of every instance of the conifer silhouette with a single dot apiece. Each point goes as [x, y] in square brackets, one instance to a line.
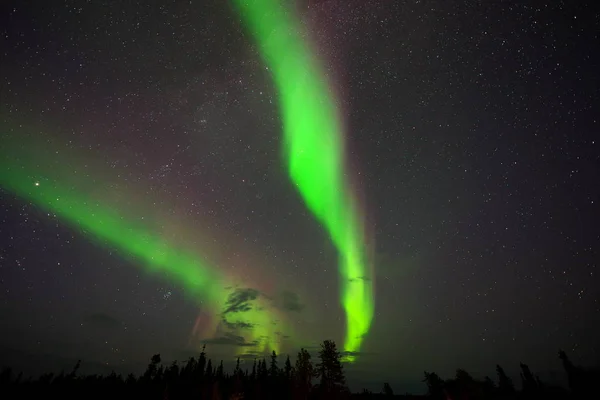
[387, 390]
[304, 374]
[287, 369]
[330, 371]
[505, 384]
[198, 379]
[273, 369]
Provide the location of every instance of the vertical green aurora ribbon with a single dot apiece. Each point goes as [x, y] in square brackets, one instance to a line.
[314, 151]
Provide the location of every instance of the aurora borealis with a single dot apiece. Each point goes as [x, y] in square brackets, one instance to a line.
[314, 150]
[314, 153]
[39, 180]
[413, 180]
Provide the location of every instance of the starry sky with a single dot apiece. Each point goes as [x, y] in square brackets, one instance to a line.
[471, 137]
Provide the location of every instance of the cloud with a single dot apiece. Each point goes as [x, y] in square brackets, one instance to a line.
[229, 339]
[240, 300]
[291, 302]
[360, 279]
[238, 324]
[103, 320]
[312, 348]
[355, 353]
[251, 355]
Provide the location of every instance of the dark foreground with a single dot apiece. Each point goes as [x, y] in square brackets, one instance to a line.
[198, 378]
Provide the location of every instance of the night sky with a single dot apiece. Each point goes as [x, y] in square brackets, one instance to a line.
[471, 139]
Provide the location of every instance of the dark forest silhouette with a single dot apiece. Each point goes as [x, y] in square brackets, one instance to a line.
[199, 378]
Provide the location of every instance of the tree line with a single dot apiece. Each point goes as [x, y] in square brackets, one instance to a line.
[269, 379]
[197, 378]
[581, 384]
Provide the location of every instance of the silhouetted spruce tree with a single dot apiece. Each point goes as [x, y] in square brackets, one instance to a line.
[201, 365]
[488, 387]
[260, 387]
[130, 379]
[47, 378]
[158, 377]
[330, 371]
[237, 371]
[209, 369]
[285, 381]
[435, 385]
[219, 374]
[73, 373]
[172, 372]
[463, 376]
[528, 380]
[287, 369]
[253, 375]
[263, 371]
[464, 383]
[575, 375]
[238, 385]
[189, 368]
[387, 389]
[273, 369]
[304, 374]
[152, 368]
[505, 384]
[539, 384]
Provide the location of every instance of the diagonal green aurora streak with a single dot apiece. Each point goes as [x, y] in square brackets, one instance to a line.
[110, 228]
[314, 152]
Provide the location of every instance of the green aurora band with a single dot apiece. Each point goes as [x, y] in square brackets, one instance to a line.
[314, 151]
[21, 174]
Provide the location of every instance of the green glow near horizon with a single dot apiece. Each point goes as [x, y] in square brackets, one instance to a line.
[315, 153]
[109, 228]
